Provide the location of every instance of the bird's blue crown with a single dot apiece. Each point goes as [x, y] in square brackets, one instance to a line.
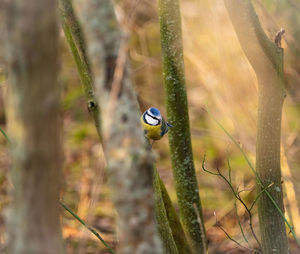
[154, 111]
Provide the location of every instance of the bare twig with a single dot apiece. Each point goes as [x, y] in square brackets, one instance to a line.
[239, 221]
[258, 179]
[259, 194]
[236, 194]
[235, 205]
[218, 224]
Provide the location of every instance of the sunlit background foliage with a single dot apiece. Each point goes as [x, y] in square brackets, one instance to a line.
[218, 76]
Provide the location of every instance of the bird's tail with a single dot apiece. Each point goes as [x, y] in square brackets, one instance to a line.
[169, 125]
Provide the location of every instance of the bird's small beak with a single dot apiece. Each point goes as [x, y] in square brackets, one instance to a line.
[169, 125]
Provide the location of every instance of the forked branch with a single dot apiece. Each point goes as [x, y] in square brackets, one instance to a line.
[237, 196]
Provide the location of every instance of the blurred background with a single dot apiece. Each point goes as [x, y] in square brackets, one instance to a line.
[218, 76]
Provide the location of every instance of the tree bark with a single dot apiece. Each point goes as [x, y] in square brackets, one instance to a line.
[75, 39]
[167, 218]
[169, 226]
[179, 136]
[130, 161]
[266, 59]
[34, 127]
[163, 224]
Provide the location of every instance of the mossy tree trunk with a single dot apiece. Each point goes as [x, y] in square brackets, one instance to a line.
[34, 127]
[75, 39]
[179, 136]
[164, 228]
[167, 218]
[169, 226]
[130, 161]
[266, 59]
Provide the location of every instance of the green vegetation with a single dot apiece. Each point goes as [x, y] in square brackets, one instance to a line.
[111, 61]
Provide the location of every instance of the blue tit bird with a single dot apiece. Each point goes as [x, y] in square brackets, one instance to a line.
[154, 125]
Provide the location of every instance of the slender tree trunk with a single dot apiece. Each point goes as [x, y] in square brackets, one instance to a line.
[168, 219]
[130, 161]
[266, 59]
[74, 36]
[34, 127]
[179, 136]
[272, 226]
[164, 227]
[169, 226]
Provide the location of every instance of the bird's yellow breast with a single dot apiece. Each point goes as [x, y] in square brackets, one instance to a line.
[151, 131]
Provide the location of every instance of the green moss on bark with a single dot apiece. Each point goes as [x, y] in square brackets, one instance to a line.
[179, 136]
[164, 209]
[164, 229]
[173, 220]
[74, 36]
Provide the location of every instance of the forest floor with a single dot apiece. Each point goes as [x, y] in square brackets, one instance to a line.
[85, 191]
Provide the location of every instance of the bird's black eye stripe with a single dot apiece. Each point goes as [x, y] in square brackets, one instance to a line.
[152, 116]
[144, 117]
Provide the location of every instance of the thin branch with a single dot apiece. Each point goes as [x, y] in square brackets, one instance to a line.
[88, 227]
[206, 170]
[239, 221]
[74, 37]
[258, 179]
[4, 134]
[248, 190]
[235, 205]
[237, 196]
[221, 175]
[229, 171]
[258, 195]
[218, 224]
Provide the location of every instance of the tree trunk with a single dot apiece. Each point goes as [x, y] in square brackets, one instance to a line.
[34, 127]
[163, 224]
[169, 226]
[74, 36]
[167, 218]
[130, 161]
[266, 59]
[179, 136]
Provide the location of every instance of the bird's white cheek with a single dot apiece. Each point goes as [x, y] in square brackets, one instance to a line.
[151, 120]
